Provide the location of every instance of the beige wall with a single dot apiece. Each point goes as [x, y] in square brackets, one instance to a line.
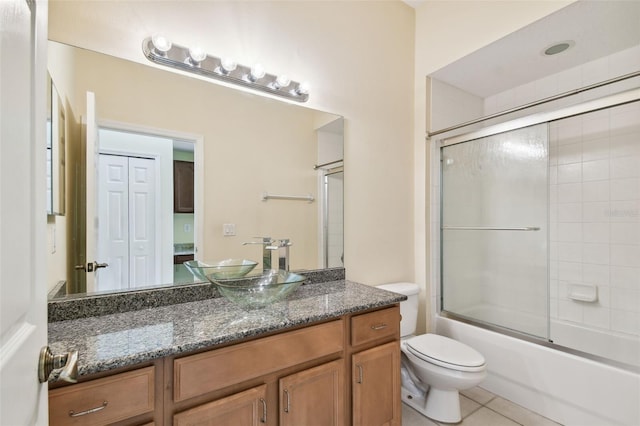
[445, 32]
[358, 57]
[58, 241]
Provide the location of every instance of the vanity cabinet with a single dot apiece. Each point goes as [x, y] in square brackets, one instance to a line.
[376, 376]
[129, 398]
[340, 372]
[315, 393]
[244, 408]
[183, 175]
[375, 369]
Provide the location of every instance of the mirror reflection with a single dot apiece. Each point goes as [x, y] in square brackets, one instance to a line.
[55, 151]
[163, 168]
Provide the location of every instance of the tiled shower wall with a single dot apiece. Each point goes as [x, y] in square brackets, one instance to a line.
[595, 218]
[595, 195]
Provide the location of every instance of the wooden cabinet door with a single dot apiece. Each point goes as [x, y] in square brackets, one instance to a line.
[248, 408]
[313, 397]
[376, 386]
[183, 187]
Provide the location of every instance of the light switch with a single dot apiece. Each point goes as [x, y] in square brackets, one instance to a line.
[228, 229]
[187, 228]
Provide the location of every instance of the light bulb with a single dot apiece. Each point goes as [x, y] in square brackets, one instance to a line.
[161, 44]
[197, 54]
[257, 72]
[303, 88]
[228, 65]
[282, 80]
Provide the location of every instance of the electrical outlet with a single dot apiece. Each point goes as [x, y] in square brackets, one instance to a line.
[228, 229]
[187, 228]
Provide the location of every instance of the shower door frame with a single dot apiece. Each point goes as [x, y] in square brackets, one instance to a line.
[605, 102]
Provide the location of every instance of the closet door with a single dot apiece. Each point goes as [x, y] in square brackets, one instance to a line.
[126, 222]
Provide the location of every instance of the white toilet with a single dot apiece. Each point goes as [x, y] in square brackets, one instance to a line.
[434, 367]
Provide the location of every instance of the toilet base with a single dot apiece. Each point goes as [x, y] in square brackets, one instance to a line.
[439, 405]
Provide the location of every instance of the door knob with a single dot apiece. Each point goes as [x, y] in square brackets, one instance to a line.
[65, 366]
[100, 265]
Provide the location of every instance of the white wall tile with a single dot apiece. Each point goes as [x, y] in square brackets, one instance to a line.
[571, 153]
[625, 233]
[595, 315]
[625, 255]
[625, 189]
[597, 274]
[625, 277]
[570, 271]
[570, 131]
[569, 252]
[569, 192]
[569, 310]
[595, 191]
[595, 253]
[595, 170]
[625, 144]
[624, 211]
[625, 321]
[570, 232]
[625, 167]
[568, 173]
[570, 212]
[596, 149]
[596, 232]
[625, 299]
[596, 212]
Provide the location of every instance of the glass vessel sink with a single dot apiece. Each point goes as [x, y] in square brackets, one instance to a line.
[258, 291]
[220, 269]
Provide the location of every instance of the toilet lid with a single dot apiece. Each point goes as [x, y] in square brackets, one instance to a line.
[445, 352]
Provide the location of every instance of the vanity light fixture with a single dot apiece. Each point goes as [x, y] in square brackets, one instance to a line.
[161, 44]
[160, 50]
[196, 55]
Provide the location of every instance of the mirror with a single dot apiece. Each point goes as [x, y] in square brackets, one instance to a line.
[55, 151]
[241, 146]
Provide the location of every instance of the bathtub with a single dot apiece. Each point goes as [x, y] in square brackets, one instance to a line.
[564, 387]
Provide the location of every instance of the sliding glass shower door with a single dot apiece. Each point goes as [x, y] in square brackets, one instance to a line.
[494, 219]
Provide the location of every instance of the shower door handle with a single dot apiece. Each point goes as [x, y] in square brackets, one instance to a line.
[491, 228]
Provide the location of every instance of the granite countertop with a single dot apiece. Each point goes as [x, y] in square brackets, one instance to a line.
[121, 339]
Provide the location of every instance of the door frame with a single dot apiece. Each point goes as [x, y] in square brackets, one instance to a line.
[198, 158]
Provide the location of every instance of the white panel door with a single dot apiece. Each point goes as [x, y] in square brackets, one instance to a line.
[23, 318]
[127, 221]
[142, 215]
[113, 218]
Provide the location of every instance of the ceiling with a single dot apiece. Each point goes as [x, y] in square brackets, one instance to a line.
[598, 28]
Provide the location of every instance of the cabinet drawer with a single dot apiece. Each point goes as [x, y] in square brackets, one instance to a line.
[209, 371]
[375, 325]
[103, 401]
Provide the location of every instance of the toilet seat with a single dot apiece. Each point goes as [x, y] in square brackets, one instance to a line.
[445, 352]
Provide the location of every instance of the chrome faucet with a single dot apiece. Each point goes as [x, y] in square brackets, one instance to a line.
[267, 250]
[283, 253]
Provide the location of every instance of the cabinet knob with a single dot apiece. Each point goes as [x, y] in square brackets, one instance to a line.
[65, 365]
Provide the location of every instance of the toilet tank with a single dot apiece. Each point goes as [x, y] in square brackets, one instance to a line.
[408, 308]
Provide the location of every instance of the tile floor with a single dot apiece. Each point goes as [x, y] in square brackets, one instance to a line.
[482, 408]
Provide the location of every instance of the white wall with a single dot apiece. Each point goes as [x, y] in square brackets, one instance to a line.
[345, 50]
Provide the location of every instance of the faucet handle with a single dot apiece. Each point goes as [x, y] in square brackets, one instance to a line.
[265, 241]
[284, 242]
